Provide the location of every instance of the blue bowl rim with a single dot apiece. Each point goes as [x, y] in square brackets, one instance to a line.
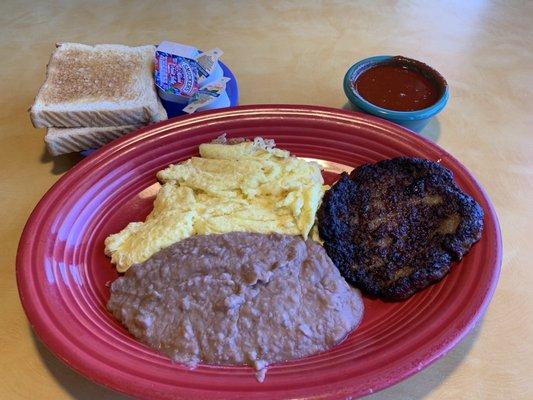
[357, 100]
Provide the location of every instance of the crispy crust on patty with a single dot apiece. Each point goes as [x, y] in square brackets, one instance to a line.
[394, 227]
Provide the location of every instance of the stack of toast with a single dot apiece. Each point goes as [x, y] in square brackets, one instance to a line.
[94, 94]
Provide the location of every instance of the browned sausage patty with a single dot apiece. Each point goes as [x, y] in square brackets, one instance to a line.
[394, 227]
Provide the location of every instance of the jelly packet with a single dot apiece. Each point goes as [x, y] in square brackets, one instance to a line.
[208, 95]
[181, 70]
[176, 71]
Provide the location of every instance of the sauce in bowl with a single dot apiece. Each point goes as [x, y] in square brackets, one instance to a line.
[400, 84]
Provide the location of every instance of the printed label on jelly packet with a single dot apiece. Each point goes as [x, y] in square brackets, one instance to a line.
[176, 74]
[207, 63]
[206, 95]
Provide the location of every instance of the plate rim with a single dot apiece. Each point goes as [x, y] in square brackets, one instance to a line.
[278, 110]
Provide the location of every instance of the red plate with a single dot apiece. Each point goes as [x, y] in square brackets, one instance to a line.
[62, 270]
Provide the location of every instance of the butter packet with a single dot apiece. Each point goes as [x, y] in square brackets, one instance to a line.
[208, 67]
[210, 96]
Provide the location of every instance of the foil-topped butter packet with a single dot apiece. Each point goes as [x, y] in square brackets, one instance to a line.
[209, 70]
[210, 96]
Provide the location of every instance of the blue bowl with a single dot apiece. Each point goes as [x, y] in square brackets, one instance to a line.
[414, 120]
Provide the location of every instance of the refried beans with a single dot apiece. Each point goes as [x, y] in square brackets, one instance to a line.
[237, 298]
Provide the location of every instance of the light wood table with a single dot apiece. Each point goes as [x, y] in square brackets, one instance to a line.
[297, 52]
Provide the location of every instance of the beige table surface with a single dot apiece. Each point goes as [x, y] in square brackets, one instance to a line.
[297, 52]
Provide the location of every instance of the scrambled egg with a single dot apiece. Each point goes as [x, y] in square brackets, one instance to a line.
[249, 186]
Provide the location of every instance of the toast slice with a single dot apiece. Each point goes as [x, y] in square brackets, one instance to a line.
[101, 85]
[161, 113]
[70, 140]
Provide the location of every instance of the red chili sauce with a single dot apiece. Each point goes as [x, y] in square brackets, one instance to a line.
[401, 84]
